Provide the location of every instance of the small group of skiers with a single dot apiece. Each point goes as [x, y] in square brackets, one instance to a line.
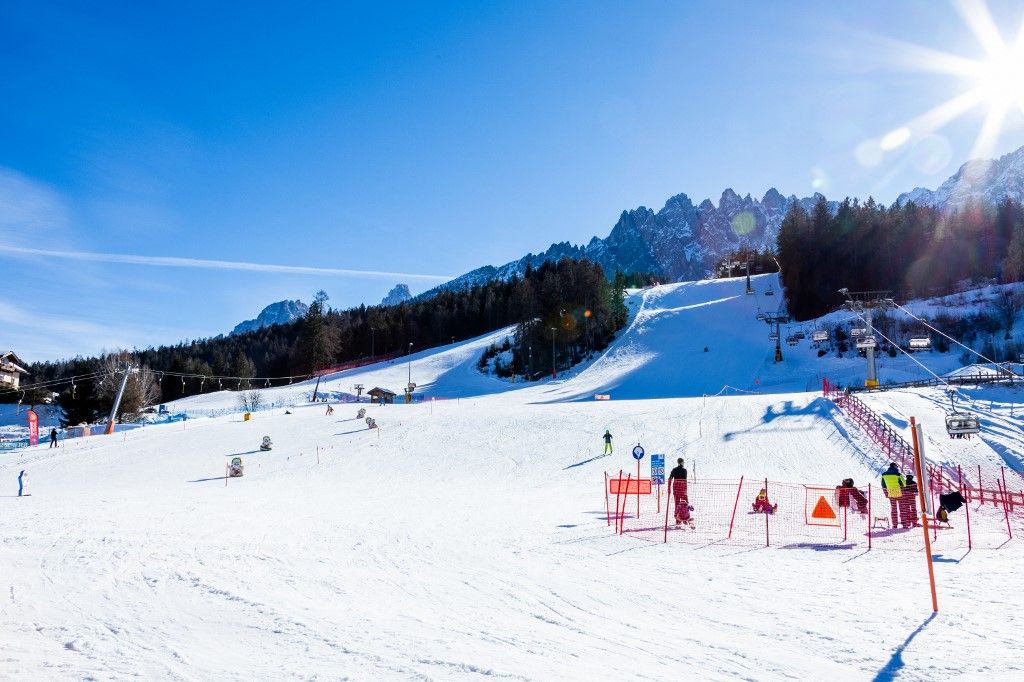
[902, 494]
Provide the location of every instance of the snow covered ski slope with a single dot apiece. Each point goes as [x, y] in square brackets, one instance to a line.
[468, 537]
[464, 539]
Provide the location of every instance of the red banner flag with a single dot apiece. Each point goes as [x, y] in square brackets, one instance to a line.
[33, 428]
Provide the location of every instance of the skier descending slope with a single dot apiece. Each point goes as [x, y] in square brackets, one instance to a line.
[677, 481]
[607, 442]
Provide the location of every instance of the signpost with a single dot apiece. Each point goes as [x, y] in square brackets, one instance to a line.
[638, 454]
[658, 474]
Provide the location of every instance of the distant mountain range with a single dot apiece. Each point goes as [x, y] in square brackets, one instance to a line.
[988, 181]
[281, 312]
[683, 241]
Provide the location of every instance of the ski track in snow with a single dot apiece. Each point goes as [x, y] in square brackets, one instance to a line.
[466, 539]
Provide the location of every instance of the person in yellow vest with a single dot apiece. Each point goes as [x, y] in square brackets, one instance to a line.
[893, 484]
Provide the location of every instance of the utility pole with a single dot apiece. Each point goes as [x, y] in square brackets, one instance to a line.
[126, 370]
[554, 374]
[864, 303]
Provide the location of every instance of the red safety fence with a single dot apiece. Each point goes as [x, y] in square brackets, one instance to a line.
[940, 478]
[756, 512]
[361, 362]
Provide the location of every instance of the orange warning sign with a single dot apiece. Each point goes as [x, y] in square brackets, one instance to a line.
[823, 510]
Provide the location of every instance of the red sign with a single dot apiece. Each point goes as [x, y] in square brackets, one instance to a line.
[33, 428]
[629, 486]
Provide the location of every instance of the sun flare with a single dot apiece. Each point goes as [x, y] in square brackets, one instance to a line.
[995, 85]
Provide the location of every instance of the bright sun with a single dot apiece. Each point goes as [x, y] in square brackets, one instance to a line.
[1001, 77]
[996, 84]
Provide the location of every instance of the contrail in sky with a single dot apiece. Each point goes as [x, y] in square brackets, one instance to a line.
[173, 262]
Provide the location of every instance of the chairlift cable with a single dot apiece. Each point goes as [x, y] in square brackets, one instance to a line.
[938, 331]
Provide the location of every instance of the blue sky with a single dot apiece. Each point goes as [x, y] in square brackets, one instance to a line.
[412, 142]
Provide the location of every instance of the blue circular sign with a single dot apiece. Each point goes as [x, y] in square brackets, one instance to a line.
[638, 452]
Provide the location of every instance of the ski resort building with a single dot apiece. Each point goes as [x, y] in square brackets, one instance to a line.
[381, 395]
[11, 370]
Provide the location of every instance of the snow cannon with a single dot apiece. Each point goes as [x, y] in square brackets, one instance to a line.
[266, 444]
[362, 413]
[371, 423]
[235, 469]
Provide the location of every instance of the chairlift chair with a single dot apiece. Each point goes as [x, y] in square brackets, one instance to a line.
[961, 424]
[920, 343]
[792, 340]
[769, 292]
[819, 336]
[800, 335]
[866, 343]
[773, 335]
[858, 331]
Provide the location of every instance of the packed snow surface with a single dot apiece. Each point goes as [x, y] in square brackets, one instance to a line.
[467, 538]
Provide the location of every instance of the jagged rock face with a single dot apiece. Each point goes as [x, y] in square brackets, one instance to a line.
[281, 312]
[681, 241]
[986, 181]
[399, 294]
[684, 241]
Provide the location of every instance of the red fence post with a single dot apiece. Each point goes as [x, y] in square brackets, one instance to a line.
[735, 504]
[618, 496]
[767, 542]
[981, 489]
[668, 503]
[625, 499]
[1006, 491]
[1006, 512]
[871, 519]
[967, 506]
[607, 511]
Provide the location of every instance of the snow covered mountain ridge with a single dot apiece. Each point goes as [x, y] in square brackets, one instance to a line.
[281, 312]
[986, 181]
[683, 240]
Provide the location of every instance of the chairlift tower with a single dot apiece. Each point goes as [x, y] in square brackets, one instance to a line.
[750, 289]
[865, 303]
[774, 320]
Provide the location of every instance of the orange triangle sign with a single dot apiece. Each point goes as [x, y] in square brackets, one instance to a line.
[823, 510]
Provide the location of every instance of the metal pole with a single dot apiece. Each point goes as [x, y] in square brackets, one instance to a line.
[553, 373]
[914, 430]
[767, 541]
[872, 380]
[117, 400]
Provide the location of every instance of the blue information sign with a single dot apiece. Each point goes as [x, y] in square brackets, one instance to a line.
[658, 469]
[638, 452]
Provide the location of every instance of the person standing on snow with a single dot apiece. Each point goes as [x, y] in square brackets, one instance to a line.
[21, 482]
[53, 438]
[607, 442]
[908, 503]
[677, 484]
[893, 484]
